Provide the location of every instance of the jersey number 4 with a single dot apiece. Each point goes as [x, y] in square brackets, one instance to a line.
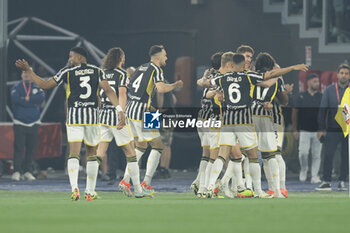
[137, 82]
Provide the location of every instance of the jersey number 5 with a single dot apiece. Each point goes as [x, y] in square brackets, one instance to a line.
[111, 84]
[85, 84]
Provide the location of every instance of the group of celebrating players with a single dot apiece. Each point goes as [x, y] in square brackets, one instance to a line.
[249, 104]
[104, 103]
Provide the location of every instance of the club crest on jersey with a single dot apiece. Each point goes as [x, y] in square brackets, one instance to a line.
[151, 120]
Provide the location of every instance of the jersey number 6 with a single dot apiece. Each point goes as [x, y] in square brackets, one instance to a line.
[234, 88]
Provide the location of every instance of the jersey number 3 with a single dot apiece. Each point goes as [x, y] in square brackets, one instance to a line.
[85, 84]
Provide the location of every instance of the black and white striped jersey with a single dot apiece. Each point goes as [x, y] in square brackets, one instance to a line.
[238, 89]
[277, 115]
[82, 84]
[210, 107]
[261, 95]
[140, 89]
[206, 106]
[116, 78]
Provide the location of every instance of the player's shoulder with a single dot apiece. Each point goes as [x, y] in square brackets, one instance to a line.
[91, 66]
[63, 70]
[252, 73]
[121, 71]
[153, 66]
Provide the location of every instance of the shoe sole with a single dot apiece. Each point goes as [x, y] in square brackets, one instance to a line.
[127, 192]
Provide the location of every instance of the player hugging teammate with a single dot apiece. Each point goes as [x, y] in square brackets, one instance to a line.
[249, 104]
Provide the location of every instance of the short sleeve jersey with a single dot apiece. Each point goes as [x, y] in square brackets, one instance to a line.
[82, 83]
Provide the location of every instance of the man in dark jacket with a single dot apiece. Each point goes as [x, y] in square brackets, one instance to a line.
[26, 99]
[330, 131]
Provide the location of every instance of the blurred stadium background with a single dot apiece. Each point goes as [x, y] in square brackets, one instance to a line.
[316, 32]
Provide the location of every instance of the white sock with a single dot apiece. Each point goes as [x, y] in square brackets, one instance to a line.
[255, 173]
[237, 171]
[207, 174]
[248, 178]
[275, 176]
[73, 172]
[215, 172]
[91, 176]
[267, 172]
[134, 171]
[201, 173]
[282, 167]
[126, 174]
[201, 170]
[228, 173]
[152, 164]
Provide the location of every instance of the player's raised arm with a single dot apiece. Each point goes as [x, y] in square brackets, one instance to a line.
[279, 72]
[42, 83]
[114, 100]
[268, 83]
[164, 87]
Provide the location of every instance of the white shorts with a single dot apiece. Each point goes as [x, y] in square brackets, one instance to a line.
[279, 129]
[209, 137]
[143, 134]
[265, 130]
[245, 134]
[122, 137]
[90, 134]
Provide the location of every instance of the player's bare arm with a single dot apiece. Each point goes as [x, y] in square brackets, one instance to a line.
[122, 97]
[279, 72]
[42, 83]
[282, 98]
[268, 83]
[204, 82]
[164, 87]
[114, 100]
[210, 94]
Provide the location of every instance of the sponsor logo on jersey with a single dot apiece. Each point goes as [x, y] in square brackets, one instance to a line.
[83, 104]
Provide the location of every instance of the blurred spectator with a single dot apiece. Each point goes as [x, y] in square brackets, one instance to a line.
[330, 132]
[26, 99]
[304, 120]
[131, 70]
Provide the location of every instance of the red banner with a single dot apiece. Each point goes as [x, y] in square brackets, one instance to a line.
[48, 145]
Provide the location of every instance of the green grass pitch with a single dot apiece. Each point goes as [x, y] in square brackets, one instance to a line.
[32, 211]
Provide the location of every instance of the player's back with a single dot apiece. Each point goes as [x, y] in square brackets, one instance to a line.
[116, 78]
[82, 84]
[261, 95]
[143, 81]
[237, 88]
[140, 89]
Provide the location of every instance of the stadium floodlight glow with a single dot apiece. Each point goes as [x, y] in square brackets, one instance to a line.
[67, 35]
